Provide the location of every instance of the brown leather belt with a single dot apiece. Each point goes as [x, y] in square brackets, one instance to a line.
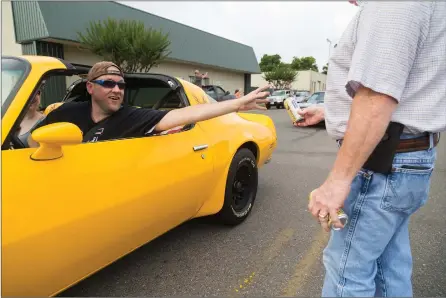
[417, 144]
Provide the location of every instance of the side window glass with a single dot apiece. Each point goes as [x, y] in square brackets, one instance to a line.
[211, 92]
[144, 97]
[49, 87]
[159, 98]
[172, 102]
[220, 91]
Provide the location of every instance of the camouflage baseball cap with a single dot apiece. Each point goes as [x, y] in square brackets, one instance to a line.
[102, 68]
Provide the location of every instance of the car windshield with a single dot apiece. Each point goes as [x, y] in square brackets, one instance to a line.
[277, 93]
[316, 98]
[13, 73]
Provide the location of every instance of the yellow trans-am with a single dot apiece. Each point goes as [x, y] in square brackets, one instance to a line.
[71, 208]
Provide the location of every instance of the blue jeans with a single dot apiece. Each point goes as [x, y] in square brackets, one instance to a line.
[371, 256]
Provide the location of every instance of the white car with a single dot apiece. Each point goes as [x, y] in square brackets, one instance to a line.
[277, 98]
[300, 96]
[315, 98]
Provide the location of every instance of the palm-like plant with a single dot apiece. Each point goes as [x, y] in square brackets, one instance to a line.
[128, 43]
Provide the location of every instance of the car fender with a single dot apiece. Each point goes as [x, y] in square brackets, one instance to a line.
[242, 139]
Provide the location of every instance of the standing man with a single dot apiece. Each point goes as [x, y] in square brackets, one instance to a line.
[385, 104]
[199, 78]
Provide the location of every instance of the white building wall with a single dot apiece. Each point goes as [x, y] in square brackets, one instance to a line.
[226, 79]
[9, 45]
[306, 80]
[318, 81]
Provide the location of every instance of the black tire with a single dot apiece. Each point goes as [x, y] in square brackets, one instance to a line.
[268, 106]
[241, 188]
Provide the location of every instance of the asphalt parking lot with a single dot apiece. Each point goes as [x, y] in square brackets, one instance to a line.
[277, 251]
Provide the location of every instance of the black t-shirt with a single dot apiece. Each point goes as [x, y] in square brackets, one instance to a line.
[127, 122]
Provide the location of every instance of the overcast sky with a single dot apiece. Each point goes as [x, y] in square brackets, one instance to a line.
[295, 28]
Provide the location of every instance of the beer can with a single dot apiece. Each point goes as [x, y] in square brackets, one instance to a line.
[342, 216]
[292, 106]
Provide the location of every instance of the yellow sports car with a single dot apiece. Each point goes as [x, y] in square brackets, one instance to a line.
[71, 208]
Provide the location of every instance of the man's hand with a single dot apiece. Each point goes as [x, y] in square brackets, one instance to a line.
[251, 100]
[312, 115]
[327, 200]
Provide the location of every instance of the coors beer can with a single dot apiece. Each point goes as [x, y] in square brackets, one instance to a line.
[343, 218]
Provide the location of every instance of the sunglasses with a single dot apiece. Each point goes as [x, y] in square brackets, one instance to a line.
[109, 84]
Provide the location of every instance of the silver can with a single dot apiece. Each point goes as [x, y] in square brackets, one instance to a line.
[342, 216]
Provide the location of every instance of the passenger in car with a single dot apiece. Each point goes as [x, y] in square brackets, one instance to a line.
[105, 118]
[32, 118]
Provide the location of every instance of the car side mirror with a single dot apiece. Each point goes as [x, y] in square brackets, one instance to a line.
[52, 137]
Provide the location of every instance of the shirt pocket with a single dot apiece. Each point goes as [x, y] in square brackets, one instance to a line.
[407, 188]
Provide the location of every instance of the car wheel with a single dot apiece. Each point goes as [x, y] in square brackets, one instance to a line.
[268, 106]
[241, 188]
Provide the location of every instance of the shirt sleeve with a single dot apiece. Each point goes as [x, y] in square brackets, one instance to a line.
[144, 120]
[388, 36]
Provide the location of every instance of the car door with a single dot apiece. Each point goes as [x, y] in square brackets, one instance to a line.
[320, 98]
[211, 92]
[68, 217]
[220, 93]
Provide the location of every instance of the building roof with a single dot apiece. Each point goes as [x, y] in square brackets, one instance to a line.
[62, 20]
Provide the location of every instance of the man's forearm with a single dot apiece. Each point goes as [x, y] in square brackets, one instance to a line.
[369, 118]
[196, 113]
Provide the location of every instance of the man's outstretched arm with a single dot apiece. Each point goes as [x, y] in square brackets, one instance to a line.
[196, 113]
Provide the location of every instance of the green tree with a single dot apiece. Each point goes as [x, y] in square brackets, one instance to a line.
[269, 62]
[128, 43]
[325, 69]
[304, 63]
[281, 76]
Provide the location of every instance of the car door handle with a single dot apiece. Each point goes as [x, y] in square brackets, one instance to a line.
[200, 147]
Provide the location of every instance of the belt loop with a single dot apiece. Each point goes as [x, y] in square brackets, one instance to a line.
[431, 140]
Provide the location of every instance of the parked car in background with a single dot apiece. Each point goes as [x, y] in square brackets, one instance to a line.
[71, 208]
[300, 96]
[277, 98]
[315, 98]
[218, 93]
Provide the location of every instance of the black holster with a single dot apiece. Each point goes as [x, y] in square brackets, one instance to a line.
[381, 159]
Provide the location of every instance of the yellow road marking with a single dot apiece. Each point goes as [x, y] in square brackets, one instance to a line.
[304, 266]
[283, 237]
